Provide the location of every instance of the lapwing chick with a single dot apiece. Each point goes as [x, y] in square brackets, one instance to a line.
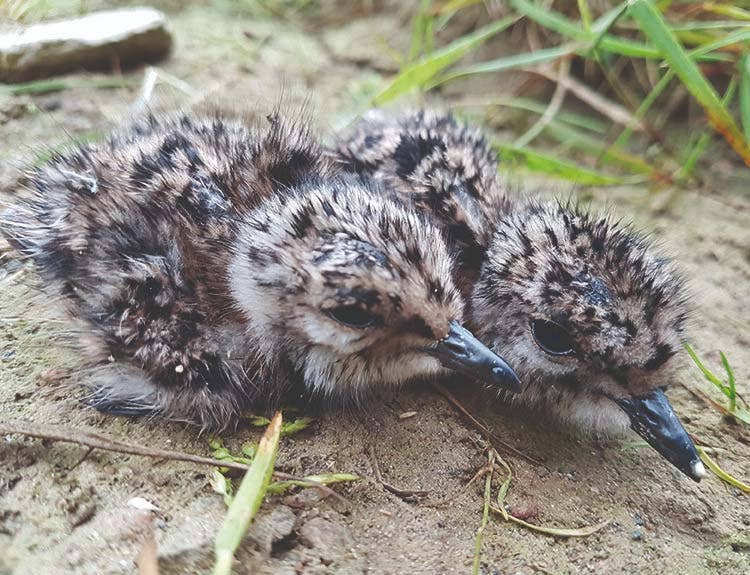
[211, 267]
[591, 319]
[585, 311]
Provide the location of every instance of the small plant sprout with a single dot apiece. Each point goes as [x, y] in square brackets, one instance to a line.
[729, 389]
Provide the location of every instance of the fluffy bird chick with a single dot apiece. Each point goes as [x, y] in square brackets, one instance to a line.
[589, 317]
[436, 163]
[210, 267]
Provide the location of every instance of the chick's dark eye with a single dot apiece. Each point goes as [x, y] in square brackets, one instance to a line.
[352, 316]
[552, 337]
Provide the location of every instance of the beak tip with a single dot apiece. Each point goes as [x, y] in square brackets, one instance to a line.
[698, 471]
[507, 377]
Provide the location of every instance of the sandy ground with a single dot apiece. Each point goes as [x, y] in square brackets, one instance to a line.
[59, 514]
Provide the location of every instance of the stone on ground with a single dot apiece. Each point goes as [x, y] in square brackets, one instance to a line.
[99, 40]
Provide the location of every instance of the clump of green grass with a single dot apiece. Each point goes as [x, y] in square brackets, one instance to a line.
[728, 388]
[640, 52]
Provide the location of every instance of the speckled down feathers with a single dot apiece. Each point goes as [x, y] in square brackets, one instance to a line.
[439, 164]
[624, 306]
[195, 256]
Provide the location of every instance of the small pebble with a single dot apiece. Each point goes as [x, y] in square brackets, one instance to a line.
[142, 504]
[407, 414]
[637, 534]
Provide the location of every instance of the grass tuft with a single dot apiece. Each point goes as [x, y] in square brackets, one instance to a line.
[622, 56]
[728, 389]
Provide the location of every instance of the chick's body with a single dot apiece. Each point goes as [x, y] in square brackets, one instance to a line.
[134, 237]
[210, 266]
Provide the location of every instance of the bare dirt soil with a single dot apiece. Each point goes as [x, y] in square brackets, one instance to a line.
[62, 514]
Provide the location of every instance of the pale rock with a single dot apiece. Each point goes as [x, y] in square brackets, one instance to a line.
[97, 40]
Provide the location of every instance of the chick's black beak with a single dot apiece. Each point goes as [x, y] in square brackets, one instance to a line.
[464, 353]
[653, 418]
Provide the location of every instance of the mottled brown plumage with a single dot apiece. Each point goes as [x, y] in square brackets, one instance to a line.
[587, 313]
[440, 165]
[211, 266]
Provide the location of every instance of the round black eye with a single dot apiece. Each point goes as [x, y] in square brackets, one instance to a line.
[352, 316]
[552, 337]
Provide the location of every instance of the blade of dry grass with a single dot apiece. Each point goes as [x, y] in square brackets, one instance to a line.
[485, 514]
[604, 106]
[553, 108]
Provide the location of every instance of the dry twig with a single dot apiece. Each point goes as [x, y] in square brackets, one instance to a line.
[96, 441]
[483, 429]
[410, 495]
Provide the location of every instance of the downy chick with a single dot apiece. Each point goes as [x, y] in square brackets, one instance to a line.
[210, 267]
[585, 311]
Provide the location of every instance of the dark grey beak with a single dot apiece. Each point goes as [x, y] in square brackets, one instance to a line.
[464, 353]
[653, 418]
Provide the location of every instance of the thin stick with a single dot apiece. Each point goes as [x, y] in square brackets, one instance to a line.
[95, 441]
[552, 109]
[485, 513]
[482, 428]
[405, 494]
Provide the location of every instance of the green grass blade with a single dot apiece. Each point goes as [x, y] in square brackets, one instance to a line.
[730, 39]
[707, 373]
[704, 25]
[550, 19]
[727, 11]
[56, 85]
[643, 109]
[606, 20]
[453, 6]
[745, 95]
[731, 384]
[697, 149]
[247, 499]
[720, 473]
[655, 29]
[419, 74]
[593, 146]
[547, 164]
[421, 31]
[585, 12]
[557, 22]
[511, 62]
